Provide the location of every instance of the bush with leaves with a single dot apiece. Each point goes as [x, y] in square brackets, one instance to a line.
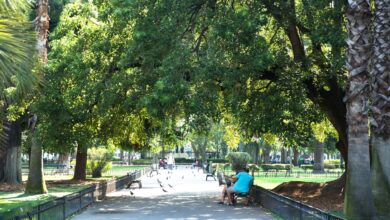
[276, 166]
[239, 160]
[99, 161]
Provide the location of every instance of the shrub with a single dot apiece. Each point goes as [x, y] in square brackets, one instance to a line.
[331, 164]
[184, 160]
[216, 160]
[307, 167]
[335, 162]
[142, 161]
[276, 166]
[99, 161]
[239, 160]
[253, 168]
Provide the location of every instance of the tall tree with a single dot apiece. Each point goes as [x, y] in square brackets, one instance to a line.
[36, 182]
[17, 56]
[358, 195]
[380, 118]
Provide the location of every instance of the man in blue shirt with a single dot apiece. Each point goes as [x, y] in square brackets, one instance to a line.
[242, 183]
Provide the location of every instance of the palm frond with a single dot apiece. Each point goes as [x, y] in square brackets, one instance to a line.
[17, 49]
[9, 7]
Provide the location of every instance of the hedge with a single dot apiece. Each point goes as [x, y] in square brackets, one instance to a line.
[216, 160]
[307, 167]
[142, 161]
[239, 160]
[276, 166]
[184, 160]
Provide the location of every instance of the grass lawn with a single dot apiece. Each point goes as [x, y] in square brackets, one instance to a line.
[14, 199]
[10, 200]
[272, 182]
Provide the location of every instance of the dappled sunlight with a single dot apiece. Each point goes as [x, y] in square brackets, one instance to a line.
[189, 196]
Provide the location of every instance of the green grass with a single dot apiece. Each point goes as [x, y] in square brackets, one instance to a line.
[272, 182]
[11, 200]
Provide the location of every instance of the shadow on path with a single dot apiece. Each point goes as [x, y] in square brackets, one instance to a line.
[190, 198]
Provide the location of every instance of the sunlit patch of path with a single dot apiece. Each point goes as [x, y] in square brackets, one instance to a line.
[191, 197]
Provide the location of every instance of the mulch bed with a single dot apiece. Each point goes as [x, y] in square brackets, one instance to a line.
[325, 196]
[5, 187]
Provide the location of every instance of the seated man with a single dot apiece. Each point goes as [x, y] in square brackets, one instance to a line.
[242, 182]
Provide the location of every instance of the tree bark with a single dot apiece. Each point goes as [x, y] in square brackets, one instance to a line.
[121, 156]
[319, 157]
[296, 156]
[12, 168]
[256, 153]
[129, 158]
[63, 158]
[80, 171]
[266, 152]
[358, 197]
[36, 182]
[380, 118]
[283, 155]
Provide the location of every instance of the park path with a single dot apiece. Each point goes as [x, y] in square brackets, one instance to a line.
[189, 198]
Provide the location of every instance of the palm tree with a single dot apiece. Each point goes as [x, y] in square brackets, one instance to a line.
[36, 182]
[358, 196]
[380, 118]
[17, 49]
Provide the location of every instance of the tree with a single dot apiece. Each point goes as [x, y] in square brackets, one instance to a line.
[359, 44]
[36, 183]
[17, 56]
[380, 108]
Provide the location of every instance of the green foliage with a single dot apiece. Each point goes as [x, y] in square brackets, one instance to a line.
[183, 160]
[239, 160]
[99, 161]
[17, 50]
[266, 167]
[332, 164]
[142, 161]
[216, 160]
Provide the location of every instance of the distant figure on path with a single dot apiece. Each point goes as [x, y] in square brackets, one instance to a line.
[240, 184]
[170, 162]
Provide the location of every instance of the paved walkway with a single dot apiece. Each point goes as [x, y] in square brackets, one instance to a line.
[189, 197]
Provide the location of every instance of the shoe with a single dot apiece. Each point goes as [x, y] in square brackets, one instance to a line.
[221, 203]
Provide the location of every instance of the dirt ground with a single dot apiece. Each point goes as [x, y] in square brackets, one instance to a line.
[325, 196]
[5, 187]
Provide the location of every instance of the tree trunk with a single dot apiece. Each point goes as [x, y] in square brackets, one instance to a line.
[12, 168]
[296, 156]
[129, 158]
[319, 157]
[380, 118]
[283, 156]
[36, 182]
[121, 156]
[63, 158]
[81, 163]
[358, 197]
[267, 150]
[256, 153]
